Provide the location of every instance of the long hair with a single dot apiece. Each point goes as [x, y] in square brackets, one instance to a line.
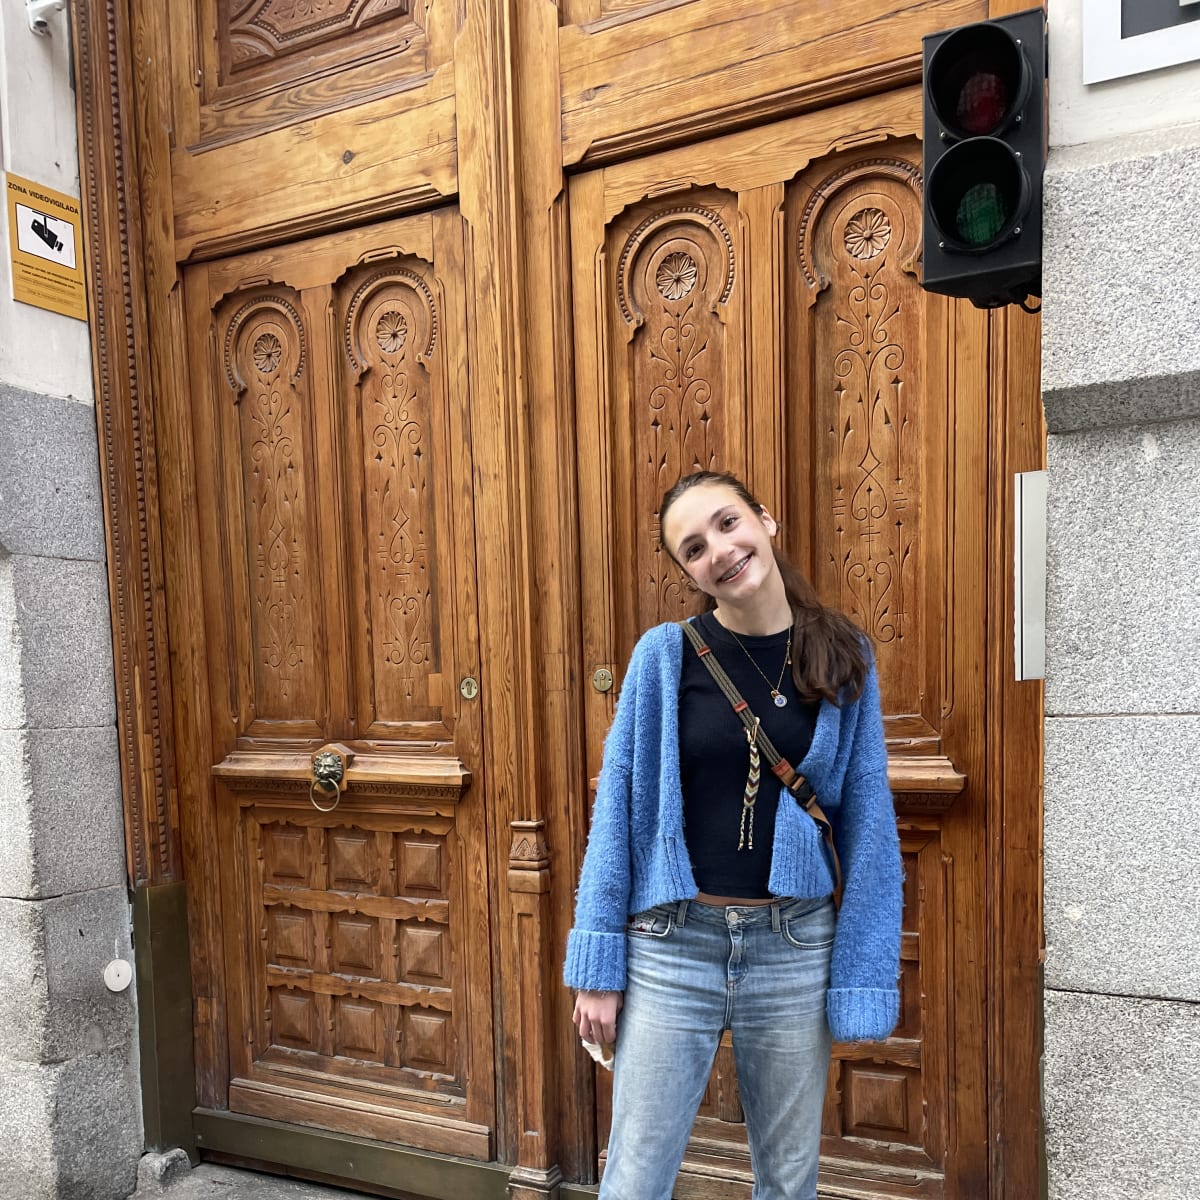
[829, 657]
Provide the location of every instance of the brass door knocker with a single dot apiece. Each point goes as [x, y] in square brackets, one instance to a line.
[329, 770]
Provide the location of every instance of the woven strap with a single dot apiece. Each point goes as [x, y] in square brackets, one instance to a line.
[791, 779]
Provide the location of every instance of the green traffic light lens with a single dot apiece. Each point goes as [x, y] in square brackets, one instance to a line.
[978, 80]
[981, 214]
[977, 194]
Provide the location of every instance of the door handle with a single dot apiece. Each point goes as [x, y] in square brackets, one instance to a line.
[328, 776]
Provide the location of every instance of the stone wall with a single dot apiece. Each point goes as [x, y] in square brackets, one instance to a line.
[1121, 382]
[70, 1120]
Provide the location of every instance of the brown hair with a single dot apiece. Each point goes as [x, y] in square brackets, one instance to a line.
[829, 656]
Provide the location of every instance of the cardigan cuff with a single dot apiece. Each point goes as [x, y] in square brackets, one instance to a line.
[595, 961]
[862, 1014]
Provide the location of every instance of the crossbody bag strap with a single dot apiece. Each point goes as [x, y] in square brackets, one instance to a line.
[791, 779]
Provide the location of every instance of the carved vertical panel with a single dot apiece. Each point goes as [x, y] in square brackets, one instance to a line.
[676, 269]
[390, 337]
[859, 379]
[265, 352]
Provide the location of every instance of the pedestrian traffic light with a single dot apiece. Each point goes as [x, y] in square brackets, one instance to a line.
[985, 148]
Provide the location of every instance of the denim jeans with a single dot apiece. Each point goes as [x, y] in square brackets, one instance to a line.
[695, 970]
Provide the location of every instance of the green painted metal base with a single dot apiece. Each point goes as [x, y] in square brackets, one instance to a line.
[350, 1160]
[164, 992]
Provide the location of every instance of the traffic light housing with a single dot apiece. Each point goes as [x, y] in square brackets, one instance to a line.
[985, 150]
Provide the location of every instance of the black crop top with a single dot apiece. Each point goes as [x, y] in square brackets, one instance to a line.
[714, 757]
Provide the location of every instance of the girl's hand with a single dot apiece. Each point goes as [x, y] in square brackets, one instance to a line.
[596, 1016]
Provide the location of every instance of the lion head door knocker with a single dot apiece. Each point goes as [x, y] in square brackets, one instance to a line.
[328, 777]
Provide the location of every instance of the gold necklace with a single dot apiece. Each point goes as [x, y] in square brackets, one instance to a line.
[776, 695]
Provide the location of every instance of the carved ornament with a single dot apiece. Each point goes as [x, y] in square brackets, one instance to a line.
[863, 239]
[680, 277]
[267, 350]
[391, 330]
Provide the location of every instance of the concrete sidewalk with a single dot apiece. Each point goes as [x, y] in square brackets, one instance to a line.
[168, 1177]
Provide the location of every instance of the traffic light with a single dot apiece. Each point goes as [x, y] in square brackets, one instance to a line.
[985, 149]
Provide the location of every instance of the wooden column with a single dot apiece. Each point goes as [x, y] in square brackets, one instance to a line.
[1018, 1159]
[506, 318]
[113, 235]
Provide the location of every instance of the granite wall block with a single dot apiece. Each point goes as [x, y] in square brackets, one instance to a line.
[1122, 1104]
[1120, 303]
[1122, 855]
[1123, 571]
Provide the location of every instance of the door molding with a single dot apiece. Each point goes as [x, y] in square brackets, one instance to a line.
[125, 424]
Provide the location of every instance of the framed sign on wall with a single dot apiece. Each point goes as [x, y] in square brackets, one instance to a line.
[1127, 37]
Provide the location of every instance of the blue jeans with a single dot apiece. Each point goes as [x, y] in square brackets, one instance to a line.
[695, 970]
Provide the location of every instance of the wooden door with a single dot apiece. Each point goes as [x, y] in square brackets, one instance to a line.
[759, 311]
[407, 312]
[328, 415]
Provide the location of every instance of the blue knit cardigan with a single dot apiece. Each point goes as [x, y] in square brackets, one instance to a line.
[637, 858]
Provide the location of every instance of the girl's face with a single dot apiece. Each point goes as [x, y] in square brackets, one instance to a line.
[720, 541]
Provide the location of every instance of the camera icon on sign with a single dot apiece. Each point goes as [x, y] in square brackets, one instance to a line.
[41, 226]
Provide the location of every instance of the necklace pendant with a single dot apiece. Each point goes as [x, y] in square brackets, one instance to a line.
[780, 699]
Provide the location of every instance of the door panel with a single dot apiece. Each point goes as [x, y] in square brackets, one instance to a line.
[636, 77]
[806, 257]
[328, 419]
[262, 146]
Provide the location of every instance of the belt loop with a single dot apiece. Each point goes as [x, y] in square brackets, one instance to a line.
[681, 914]
[775, 916]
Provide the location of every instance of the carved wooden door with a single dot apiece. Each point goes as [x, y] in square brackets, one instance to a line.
[752, 304]
[407, 312]
[328, 413]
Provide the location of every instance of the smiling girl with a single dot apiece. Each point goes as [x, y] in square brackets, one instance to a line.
[706, 900]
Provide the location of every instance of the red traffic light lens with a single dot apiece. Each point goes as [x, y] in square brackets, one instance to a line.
[978, 81]
[982, 102]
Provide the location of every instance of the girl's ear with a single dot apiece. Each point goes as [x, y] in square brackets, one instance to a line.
[770, 522]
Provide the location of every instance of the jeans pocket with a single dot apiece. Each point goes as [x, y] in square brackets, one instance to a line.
[653, 923]
[812, 930]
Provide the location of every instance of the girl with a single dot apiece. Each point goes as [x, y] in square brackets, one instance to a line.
[706, 898]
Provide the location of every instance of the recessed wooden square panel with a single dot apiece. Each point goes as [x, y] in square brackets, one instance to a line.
[293, 1019]
[358, 1028]
[427, 1040]
[422, 950]
[289, 937]
[354, 864]
[422, 866]
[354, 944]
[285, 855]
[878, 1102]
[264, 31]
[267, 61]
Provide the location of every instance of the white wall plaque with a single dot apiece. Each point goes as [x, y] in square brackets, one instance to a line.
[1029, 574]
[1127, 37]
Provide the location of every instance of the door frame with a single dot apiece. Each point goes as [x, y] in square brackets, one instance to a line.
[526, 475]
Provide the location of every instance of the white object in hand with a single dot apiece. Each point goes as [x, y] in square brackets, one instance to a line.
[603, 1054]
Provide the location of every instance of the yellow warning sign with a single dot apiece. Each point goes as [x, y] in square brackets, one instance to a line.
[45, 237]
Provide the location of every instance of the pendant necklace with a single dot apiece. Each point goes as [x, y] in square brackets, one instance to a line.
[780, 700]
